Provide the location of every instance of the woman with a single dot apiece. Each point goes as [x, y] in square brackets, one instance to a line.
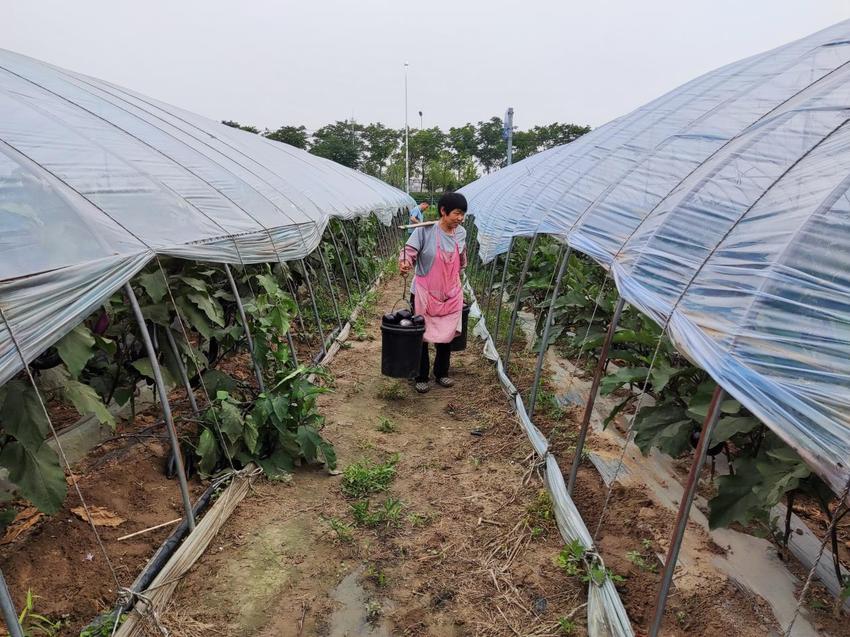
[439, 253]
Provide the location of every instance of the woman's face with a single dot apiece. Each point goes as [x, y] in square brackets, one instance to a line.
[454, 218]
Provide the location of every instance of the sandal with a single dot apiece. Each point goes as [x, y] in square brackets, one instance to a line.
[445, 381]
[422, 387]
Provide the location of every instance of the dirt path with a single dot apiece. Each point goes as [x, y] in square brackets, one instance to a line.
[472, 550]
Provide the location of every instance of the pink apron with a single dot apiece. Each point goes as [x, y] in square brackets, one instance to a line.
[439, 296]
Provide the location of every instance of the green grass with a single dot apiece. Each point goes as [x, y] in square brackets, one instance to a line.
[395, 390]
[387, 514]
[387, 426]
[366, 477]
[343, 530]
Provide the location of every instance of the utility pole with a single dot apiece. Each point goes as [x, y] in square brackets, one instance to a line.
[406, 138]
[421, 126]
[509, 132]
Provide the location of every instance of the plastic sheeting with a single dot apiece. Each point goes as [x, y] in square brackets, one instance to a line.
[96, 179]
[606, 615]
[722, 210]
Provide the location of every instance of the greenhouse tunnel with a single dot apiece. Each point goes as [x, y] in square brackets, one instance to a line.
[97, 182]
[720, 211]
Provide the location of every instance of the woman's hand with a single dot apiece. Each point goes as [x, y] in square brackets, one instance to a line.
[405, 267]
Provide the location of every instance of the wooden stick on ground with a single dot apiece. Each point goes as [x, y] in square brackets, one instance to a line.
[150, 528]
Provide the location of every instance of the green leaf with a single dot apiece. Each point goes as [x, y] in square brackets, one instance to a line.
[268, 283]
[620, 407]
[157, 313]
[230, 421]
[76, 348]
[250, 434]
[216, 381]
[106, 344]
[207, 306]
[730, 426]
[781, 470]
[700, 401]
[196, 319]
[307, 440]
[122, 395]
[280, 405]
[86, 401]
[23, 416]
[208, 452]
[154, 284]
[736, 500]
[6, 518]
[661, 374]
[143, 366]
[328, 452]
[665, 427]
[277, 464]
[195, 284]
[614, 381]
[37, 474]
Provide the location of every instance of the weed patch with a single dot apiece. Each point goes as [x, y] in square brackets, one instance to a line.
[364, 478]
[392, 391]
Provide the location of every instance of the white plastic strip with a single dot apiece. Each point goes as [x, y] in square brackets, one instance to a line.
[606, 615]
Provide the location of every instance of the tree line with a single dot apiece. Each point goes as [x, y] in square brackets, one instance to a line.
[439, 160]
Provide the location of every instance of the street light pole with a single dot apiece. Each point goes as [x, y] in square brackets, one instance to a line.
[406, 137]
[509, 125]
[421, 126]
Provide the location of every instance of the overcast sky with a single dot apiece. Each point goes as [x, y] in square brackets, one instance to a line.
[311, 62]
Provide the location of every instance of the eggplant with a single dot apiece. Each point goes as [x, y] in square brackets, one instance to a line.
[405, 323]
[404, 314]
[390, 318]
[418, 320]
[188, 462]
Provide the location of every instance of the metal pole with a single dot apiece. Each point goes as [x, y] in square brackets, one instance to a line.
[257, 371]
[522, 276]
[182, 369]
[341, 264]
[687, 500]
[406, 138]
[594, 388]
[10, 615]
[330, 285]
[490, 286]
[544, 343]
[353, 260]
[509, 124]
[501, 295]
[315, 307]
[166, 407]
[294, 295]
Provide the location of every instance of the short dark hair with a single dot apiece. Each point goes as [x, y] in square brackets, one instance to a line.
[450, 201]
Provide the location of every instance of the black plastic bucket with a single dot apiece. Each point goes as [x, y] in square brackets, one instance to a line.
[459, 342]
[401, 350]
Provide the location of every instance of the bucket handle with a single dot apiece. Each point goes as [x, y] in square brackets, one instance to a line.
[403, 299]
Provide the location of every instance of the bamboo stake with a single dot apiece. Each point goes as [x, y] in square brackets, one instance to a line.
[150, 528]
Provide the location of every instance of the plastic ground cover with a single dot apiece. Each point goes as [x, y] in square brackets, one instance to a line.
[722, 210]
[95, 180]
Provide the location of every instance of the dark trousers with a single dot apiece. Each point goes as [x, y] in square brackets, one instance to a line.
[442, 357]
